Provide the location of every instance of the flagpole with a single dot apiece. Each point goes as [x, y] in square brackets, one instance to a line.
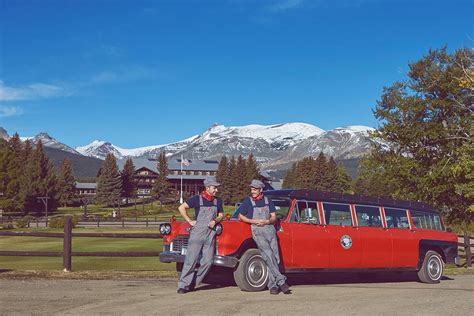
[181, 173]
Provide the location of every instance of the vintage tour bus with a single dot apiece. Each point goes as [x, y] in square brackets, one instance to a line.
[321, 231]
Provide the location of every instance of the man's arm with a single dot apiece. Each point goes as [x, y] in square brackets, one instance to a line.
[183, 211]
[247, 220]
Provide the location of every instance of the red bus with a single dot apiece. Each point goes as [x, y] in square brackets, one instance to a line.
[323, 231]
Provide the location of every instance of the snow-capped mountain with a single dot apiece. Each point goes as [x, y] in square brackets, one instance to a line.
[46, 140]
[100, 149]
[264, 141]
[274, 146]
[4, 134]
[341, 143]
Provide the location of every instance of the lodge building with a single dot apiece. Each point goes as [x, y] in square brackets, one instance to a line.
[193, 173]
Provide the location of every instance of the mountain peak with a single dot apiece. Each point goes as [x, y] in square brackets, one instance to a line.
[4, 134]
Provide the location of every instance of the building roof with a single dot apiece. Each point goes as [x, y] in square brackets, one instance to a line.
[89, 186]
[173, 164]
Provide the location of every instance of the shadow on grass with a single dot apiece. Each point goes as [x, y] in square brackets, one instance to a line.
[5, 270]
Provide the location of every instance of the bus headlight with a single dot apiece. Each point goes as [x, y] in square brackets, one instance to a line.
[218, 229]
[165, 229]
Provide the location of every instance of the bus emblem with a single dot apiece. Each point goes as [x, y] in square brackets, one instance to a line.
[346, 242]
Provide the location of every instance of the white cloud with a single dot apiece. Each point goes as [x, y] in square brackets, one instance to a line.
[6, 111]
[31, 92]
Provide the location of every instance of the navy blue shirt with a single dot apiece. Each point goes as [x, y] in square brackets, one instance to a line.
[246, 208]
[193, 202]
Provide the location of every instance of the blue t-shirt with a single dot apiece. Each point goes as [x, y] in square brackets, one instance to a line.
[193, 202]
[246, 208]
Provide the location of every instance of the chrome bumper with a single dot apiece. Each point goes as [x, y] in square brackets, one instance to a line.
[457, 260]
[221, 261]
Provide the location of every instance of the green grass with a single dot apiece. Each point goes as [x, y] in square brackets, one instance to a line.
[150, 211]
[86, 244]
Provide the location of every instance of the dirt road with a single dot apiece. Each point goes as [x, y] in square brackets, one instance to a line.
[335, 295]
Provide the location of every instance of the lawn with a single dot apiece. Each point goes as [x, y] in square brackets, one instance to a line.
[149, 211]
[8, 243]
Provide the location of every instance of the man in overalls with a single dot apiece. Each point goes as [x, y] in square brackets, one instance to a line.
[208, 212]
[259, 211]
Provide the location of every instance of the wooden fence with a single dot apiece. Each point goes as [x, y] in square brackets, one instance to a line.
[97, 222]
[464, 249]
[67, 252]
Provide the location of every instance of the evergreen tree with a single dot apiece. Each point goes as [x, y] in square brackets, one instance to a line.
[4, 179]
[162, 187]
[14, 200]
[344, 181]
[426, 133]
[240, 176]
[67, 183]
[222, 178]
[289, 180]
[231, 183]
[109, 186]
[40, 181]
[332, 177]
[129, 186]
[252, 170]
[321, 174]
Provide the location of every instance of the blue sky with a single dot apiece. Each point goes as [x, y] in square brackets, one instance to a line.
[140, 73]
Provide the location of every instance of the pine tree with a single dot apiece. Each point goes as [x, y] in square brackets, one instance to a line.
[289, 180]
[231, 182]
[67, 183]
[221, 177]
[40, 181]
[129, 186]
[344, 181]
[321, 174]
[162, 187]
[332, 183]
[109, 186]
[14, 201]
[240, 176]
[252, 169]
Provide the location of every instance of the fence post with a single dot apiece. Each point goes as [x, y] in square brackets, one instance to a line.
[98, 221]
[147, 222]
[36, 220]
[467, 248]
[123, 223]
[67, 244]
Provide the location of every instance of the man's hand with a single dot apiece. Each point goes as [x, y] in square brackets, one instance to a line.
[192, 223]
[211, 224]
[262, 222]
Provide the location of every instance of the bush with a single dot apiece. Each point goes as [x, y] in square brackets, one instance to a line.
[58, 222]
[23, 222]
[7, 226]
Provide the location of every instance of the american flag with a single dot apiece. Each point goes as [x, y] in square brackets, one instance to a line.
[185, 162]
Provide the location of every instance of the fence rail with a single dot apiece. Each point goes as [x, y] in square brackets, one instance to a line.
[465, 247]
[98, 221]
[67, 252]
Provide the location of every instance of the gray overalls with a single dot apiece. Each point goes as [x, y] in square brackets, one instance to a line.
[201, 240]
[266, 240]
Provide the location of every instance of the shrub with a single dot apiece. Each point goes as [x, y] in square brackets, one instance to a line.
[58, 222]
[23, 222]
[6, 226]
